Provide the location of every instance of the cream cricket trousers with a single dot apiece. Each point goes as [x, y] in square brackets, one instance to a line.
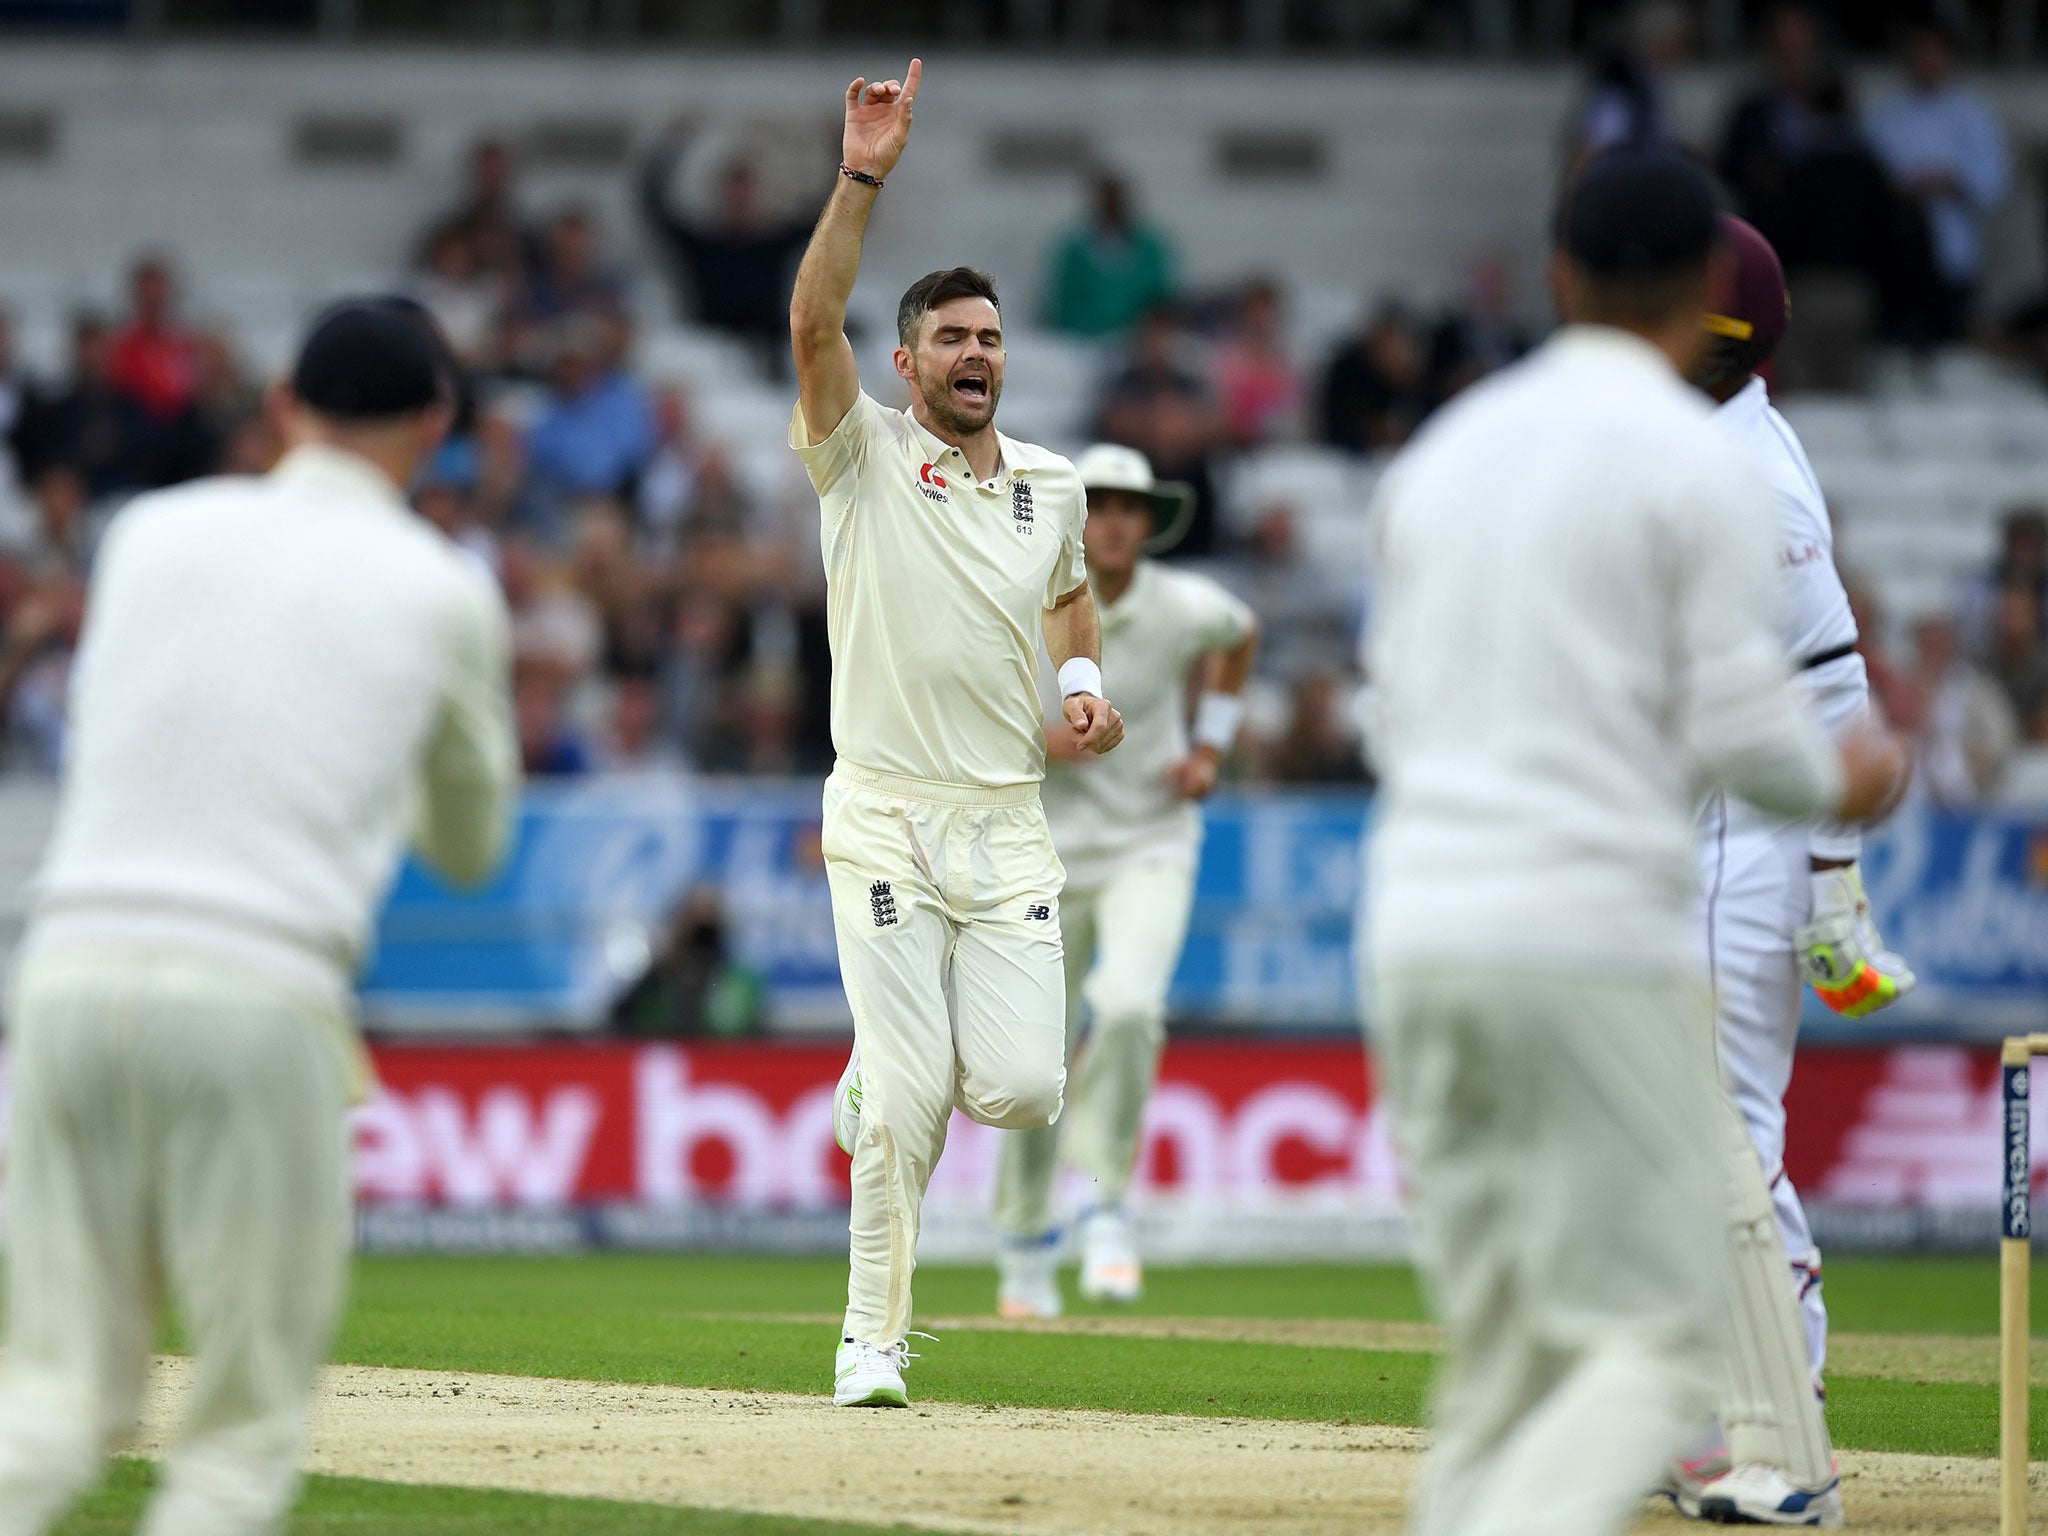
[176, 1129]
[1123, 939]
[1557, 1132]
[945, 900]
[1756, 889]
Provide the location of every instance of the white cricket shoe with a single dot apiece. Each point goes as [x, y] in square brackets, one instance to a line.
[1754, 1494]
[1110, 1270]
[1028, 1279]
[868, 1375]
[846, 1105]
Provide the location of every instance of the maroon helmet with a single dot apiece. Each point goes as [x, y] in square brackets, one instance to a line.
[1756, 305]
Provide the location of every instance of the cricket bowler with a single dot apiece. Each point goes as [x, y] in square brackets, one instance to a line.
[1572, 634]
[950, 550]
[1128, 828]
[281, 679]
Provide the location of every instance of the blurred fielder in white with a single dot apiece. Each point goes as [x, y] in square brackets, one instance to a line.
[281, 678]
[1128, 830]
[1572, 638]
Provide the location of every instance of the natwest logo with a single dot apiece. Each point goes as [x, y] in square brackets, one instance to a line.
[931, 484]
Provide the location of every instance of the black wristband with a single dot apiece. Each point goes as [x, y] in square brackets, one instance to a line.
[860, 176]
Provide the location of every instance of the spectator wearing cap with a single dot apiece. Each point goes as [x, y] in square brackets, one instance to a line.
[1946, 149]
[1110, 269]
[285, 680]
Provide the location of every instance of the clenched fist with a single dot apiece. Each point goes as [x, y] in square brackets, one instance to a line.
[1096, 724]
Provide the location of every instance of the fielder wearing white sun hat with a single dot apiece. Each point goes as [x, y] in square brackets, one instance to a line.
[1113, 467]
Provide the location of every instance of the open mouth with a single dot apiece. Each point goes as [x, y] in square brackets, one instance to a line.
[971, 388]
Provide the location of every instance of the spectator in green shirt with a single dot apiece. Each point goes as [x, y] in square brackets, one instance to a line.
[1109, 269]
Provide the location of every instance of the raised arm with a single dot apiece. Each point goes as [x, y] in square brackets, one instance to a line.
[877, 128]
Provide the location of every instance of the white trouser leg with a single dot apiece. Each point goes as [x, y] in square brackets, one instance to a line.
[949, 944]
[1141, 921]
[1551, 1128]
[254, 1220]
[1797, 1237]
[1756, 891]
[182, 1123]
[81, 1263]
[1028, 1163]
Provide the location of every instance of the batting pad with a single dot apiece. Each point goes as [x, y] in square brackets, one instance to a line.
[1768, 1406]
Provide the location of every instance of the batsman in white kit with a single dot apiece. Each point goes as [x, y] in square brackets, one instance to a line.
[1780, 898]
[281, 679]
[1129, 831]
[1571, 637]
[950, 550]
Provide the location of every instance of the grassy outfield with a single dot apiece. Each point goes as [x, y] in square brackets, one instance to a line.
[630, 1318]
[346, 1506]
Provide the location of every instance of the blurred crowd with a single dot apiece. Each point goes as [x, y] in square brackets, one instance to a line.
[669, 608]
[1971, 686]
[1880, 208]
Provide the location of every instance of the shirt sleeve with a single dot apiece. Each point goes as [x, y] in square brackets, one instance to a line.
[471, 774]
[1071, 569]
[1745, 727]
[835, 465]
[1839, 695]
[1218, 620]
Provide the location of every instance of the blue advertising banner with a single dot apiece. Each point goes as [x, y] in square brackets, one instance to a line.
[601, 862]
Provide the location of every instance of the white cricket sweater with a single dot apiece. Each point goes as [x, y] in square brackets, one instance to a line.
[1574, 635]
[280, 679]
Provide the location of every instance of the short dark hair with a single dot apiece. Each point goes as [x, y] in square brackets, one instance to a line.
[934, 289]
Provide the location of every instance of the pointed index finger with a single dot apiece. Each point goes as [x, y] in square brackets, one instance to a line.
[910, 78]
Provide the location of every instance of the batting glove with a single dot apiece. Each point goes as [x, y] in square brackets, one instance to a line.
[1851, 970]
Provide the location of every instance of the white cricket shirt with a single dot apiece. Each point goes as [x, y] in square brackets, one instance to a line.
[1574, 636]
[934, 590]
[281, 677]
[1815, 615]
[1118, 808]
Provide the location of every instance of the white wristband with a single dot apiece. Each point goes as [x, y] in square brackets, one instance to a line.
[1080, 675]
[1217, 717]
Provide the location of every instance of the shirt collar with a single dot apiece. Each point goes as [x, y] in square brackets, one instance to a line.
[938, 448]
[1611, 342]
[1747, 403]
[340, 470]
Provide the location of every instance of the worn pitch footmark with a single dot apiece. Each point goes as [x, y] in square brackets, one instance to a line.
[946, 1466]
[1931, 1357]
